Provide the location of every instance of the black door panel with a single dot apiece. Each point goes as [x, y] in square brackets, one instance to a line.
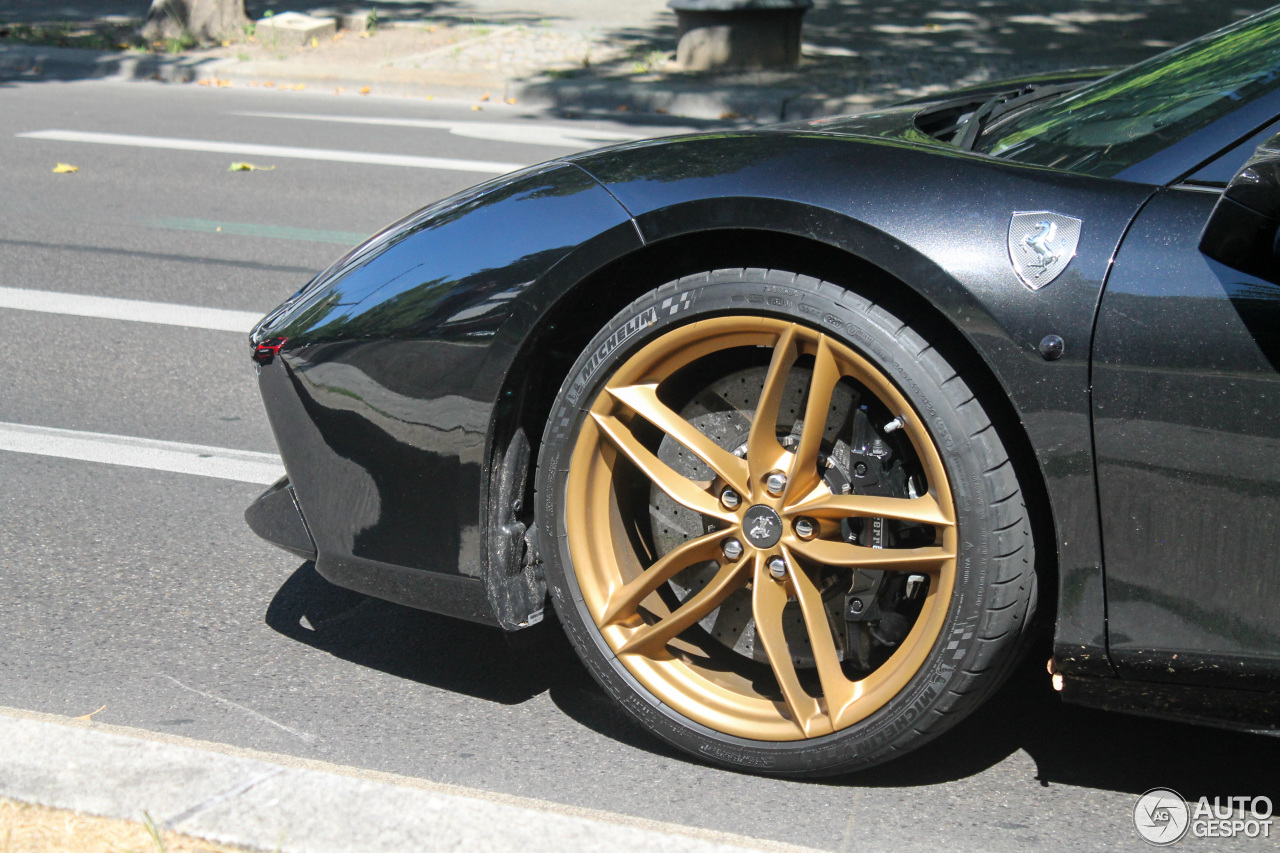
[1187, 430]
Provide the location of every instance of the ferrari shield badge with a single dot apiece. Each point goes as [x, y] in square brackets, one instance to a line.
[1041, 244]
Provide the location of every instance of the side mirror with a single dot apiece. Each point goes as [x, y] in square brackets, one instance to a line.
[1243, 230]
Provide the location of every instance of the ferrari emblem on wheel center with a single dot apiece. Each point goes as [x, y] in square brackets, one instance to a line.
[763, 526]
[1041, 245]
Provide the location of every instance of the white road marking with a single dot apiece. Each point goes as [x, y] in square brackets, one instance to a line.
[245, 149]
[528, 134]
[111, 308]
[246, 466]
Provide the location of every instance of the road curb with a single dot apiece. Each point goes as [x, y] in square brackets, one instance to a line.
[264, 801]
[698, 98]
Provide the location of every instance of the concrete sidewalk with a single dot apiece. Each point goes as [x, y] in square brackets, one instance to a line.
[270, 802]
[580, 56]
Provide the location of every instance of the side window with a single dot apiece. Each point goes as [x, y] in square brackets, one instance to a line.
[1219, 171]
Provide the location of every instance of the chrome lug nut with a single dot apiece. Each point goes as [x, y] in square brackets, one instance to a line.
[775, 482]
[732, 549]
[806, 528]
[730, 499]
[777, 568]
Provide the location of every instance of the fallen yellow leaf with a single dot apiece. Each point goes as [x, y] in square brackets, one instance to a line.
[222, 84]
[511, 100]
[337, 91]
[315, 42]
[364, 90]
[431, 97]
[477, 107]
[268, 84]
[247, 167]
[485, 96]
[89, 716]
[203, 82]
[63, 168]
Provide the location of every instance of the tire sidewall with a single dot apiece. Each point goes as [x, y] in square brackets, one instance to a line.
[876, 335]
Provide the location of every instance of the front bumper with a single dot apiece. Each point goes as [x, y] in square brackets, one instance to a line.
[277, 518]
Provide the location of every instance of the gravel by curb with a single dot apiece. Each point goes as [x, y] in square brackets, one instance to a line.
[271, 802]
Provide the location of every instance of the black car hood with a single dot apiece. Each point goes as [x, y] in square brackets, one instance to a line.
[889, 123]
[898, 121]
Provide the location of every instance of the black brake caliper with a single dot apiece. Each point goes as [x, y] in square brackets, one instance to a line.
[869, 613]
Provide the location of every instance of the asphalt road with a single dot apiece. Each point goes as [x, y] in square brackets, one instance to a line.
[143, 591]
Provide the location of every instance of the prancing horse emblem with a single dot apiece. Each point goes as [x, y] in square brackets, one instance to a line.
[1041, 245]
[762, 529]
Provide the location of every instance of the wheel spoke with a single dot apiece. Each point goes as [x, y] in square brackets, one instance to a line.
[763, 449]
[829, 553]
[924, 510]
[769, 598]
[679, 488]
[624, 600]
[643, 400]
[804, 465]
[836, 688]
[730, 577]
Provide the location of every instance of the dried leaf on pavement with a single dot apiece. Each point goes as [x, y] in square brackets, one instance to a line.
[249, 167]
[64, 168]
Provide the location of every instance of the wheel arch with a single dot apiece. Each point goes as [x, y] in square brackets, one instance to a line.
[581, 308]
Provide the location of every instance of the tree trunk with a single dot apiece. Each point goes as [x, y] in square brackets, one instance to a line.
[206, 20]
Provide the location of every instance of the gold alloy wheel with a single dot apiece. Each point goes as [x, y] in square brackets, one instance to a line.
[620, 580]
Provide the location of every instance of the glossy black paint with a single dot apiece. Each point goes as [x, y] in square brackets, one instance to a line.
[382, 396]
[413, 368]
[276, 518]
[1187, 425]
[943, 233]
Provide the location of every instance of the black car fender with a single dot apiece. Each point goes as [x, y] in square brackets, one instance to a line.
[933, 222]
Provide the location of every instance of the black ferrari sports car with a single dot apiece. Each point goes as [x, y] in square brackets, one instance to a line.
[804, 430]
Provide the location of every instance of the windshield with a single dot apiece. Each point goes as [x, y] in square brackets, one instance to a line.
[1123, 119]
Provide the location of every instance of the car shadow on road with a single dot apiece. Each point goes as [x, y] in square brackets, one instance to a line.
[1070, 745]
[450, 654]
